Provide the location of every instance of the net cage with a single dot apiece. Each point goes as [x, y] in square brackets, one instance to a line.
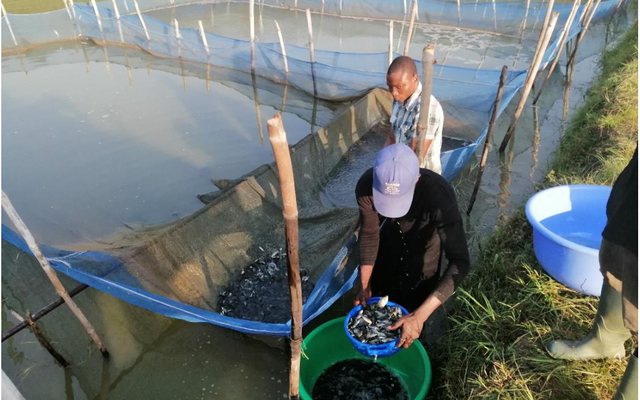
[178, 270]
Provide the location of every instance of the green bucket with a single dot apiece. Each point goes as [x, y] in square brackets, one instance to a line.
[328, 344]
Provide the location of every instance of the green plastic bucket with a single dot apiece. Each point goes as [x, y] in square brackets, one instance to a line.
[328, 344]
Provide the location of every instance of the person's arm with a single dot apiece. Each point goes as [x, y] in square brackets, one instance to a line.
[391, 138]
[369, 238]
[454, 243]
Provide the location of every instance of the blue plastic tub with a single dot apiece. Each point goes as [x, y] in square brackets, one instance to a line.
[371, 350]
[567, 231]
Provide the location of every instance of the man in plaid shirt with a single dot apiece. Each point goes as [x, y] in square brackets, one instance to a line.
[405, 87]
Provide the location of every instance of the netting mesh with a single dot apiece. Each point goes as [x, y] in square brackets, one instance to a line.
[178, 270]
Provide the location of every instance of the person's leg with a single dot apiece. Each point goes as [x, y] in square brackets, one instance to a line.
[628, 389]
[608, 334]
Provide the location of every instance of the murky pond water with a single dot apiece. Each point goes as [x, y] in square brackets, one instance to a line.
[162, 144]
[455, 46]
[87, 150]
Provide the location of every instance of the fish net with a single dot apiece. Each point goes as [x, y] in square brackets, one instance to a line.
[179, 270]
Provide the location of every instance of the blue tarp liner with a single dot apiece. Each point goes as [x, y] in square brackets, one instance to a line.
[178, 270]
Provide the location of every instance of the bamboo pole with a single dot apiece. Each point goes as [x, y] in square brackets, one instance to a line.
[115, 9]
[278, 139]
[495, 16]
[176, 26]
[256, 100]
[45, 343]
[73, 8]
[282, 49]
[97, 12]
[487, 141]
[203, 36]
[6, 19]
[404, 3]
[459, 17]
[524, 20]
[44, 311]
[312, 57]
[252, 22]
[390, 42]
[66, 7]
[536, 142]
[563, 40]
[583, 32]
[144, 26]
[444, 62]
[428, 59]
[414, 12]
[531, 76]
[567, 85]
[51, 274]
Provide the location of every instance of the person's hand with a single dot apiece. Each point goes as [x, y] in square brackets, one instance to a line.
[411, 329]
[363, 296]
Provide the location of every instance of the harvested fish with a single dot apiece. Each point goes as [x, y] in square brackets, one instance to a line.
[370, 324]
[261, 291]
[359, 380]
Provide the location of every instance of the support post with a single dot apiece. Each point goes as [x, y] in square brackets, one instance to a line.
[33, 246]
[390, 42]
[459, 17]
[586, 24]
[531, 76]
[97, 12]
[428, 59]
[144, 26]
[282, 49]
[561, 43]
[115, 9]
[312, 57]
[487, 140]
[414, 11]
[204, 38]
[45, 343]
[6, 19]
[66, 7]
[278, 139]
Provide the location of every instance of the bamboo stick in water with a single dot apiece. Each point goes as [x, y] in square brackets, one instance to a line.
[414, 12]
[282, 49]
[390, 42]
[6, 19]
[312, 53]
[144, 26]
[533, 71]
[278, 139]
[51, 274]
[561, 43]
[487, 141]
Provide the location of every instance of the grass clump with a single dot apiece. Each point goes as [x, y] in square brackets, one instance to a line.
[507, 308]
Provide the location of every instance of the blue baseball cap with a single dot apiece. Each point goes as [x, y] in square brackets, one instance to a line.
[395, 174]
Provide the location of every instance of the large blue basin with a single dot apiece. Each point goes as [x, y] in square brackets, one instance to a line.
[567, 230]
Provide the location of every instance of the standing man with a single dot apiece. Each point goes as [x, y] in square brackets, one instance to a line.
[408, 216]
[405, 87]
[617, 316]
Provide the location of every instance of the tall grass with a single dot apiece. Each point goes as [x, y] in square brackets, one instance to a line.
[507, 308]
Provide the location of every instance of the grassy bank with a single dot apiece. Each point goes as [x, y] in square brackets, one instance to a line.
[508, 307]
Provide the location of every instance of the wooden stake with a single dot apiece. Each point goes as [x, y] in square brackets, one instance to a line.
[531, 76]
[580, 36]
[390, 42]
[561, 43]
[66, 7]
[176, 27]
[144, 26]
[256, 99]
[278, 139]
[547, 16]
[524, 20]
[414, 12]
[97, 12]
[459, 18]
[6, 19]
[312, 53]
[115, 9]
[51, 274]
[252, 22]
[45, 343]
[204, 38]
[282, 49]
[487, 140]
[495, 17]
[428, 58]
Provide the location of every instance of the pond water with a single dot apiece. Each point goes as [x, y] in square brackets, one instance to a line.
[90, 148]
[457, 47]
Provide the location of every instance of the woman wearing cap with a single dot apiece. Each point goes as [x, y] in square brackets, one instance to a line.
[408, 216]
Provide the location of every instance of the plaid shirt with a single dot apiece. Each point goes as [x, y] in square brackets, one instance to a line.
[404, 122]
